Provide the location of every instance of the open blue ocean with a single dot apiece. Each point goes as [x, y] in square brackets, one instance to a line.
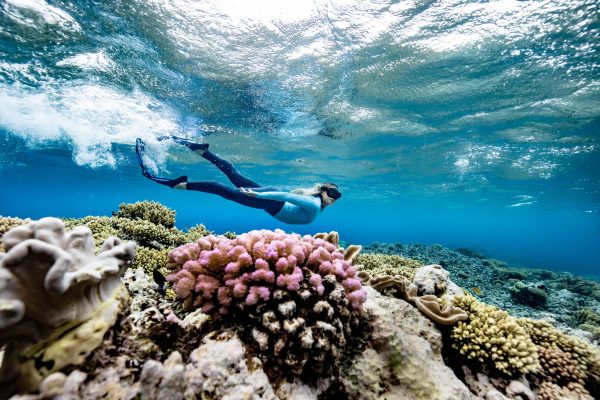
[472, 124]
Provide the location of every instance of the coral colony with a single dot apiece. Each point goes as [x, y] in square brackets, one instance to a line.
[219, 273]
[266, 314]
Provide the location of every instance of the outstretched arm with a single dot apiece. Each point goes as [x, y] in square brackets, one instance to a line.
[296, 199]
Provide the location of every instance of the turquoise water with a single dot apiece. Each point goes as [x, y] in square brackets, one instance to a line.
[470, 124]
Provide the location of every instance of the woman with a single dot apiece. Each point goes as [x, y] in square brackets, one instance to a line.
[301, 206]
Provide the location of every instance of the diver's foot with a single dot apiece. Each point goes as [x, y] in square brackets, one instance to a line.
[177, 183]
[139, 152]
[199, 148]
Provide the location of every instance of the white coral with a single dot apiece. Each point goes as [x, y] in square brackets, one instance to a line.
[49, 277]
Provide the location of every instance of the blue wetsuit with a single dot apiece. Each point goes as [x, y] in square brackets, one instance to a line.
[284, 206]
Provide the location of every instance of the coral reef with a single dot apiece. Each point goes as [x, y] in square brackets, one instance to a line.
[403, 359]
[532, 296]
[493, 338]
[491, 281]
[6, 223]
[149, 211]
[430, 306]
[287, 317]
[579, 352]
[390, 265]
[299, 296]
[150, 224]
[50, 282]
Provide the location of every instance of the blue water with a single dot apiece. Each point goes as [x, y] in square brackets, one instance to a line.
[470, 124]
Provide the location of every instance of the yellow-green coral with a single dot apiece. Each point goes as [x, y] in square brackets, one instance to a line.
[150, 259]
[7, 223]
[150, 211]
[196, 232]
[393, 265]
[491, 336]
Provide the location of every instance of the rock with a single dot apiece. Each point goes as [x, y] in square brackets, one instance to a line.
[403, 358]
[528, 295]
[431, 279]
[520, 390]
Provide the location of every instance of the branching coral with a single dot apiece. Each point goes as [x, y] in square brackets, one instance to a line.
[494, 338]
[583, 354]
[151, 259]
[49, 280]
[299, 293]
[140, 222]
[150, 211]
[219, 273]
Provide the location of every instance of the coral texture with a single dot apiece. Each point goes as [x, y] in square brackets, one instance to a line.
[6, 223]
[50, 279]
[150, 211]
[530, 295]
[298, 295]
[402, 359]
[391, 265]
[216, 273]
[580, 353]
[217, 369]
[492, 337]
[448, 314]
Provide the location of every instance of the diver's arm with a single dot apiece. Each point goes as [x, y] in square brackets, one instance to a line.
[296, 199]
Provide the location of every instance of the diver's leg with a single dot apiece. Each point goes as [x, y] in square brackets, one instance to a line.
[229, 170]
[191, 145]
[139, 152]
[234, 194]
[225, 166]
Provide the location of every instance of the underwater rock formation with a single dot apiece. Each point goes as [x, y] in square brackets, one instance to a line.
[403, 357]
[315, 334]
[50, 282]
[530, 295]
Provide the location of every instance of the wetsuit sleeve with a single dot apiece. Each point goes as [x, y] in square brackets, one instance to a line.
[296, 199]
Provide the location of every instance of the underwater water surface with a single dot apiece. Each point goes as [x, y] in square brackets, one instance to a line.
[470, 124]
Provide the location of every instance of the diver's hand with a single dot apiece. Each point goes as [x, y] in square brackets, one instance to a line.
[248, 192]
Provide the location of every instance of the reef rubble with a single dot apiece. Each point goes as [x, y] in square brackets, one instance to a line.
[272, 315]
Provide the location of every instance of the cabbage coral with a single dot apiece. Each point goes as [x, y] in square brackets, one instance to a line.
[51, 281]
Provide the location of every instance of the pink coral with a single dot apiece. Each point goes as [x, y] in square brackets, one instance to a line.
[216, 273]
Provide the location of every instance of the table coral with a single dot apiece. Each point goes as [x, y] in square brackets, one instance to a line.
[298, 293]
[492, 337]
[50, 279]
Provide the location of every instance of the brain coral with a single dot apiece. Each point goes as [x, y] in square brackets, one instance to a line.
[492, 337]
[298, 297]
